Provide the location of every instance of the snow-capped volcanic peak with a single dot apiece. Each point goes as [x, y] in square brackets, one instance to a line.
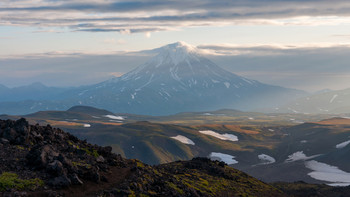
[180, 62]
[176, 53]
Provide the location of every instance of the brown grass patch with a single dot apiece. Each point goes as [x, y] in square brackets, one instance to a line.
[240, 130]
[63, 123]
[335, 121]
[234, 128]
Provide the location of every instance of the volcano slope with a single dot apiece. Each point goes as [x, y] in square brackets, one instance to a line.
[45, 161]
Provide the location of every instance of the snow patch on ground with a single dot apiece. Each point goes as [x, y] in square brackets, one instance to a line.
[339, 184]
[225, 136]
[266, 159]
[183, 139]
[114, 117]
[342, 145]
[118, 121]
[333, 98]
[325, 172]
[299, 156]
[133, 95]
[229, 159]
[87, 125]
[227, 84]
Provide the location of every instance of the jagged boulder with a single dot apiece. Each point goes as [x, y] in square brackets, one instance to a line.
[56, 168]
[41, 156]
[15, 132]
[75, 179]
[59, 182]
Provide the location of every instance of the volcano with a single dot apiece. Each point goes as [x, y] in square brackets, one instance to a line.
[180, 78]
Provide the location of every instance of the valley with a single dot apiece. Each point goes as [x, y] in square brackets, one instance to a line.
[46, 161]
[262, 145]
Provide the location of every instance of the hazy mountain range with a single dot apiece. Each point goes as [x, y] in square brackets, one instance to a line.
[328, 102]
[35, 91]
[178, 79]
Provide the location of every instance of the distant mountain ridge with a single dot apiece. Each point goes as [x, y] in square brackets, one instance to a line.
[34, 91]
[178, 79]
[89, 110]
[329, 102]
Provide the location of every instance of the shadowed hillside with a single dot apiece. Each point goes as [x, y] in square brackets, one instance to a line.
[45, 161]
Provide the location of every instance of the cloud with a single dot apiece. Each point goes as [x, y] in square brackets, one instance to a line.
[109, 41]
[121, 41]
[271, 49]
[114, 41]
[48, 31]
[342, 36]
[124, 31]
[163, 15]
[309, 67]
[5, 38]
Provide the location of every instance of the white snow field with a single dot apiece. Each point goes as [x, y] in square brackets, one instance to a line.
[325, 172]
[114, 117]
[229, 159]
[299, 156]
[225, 136]
[87, 125]
[342, 145]
[183, 139]
[266, 159]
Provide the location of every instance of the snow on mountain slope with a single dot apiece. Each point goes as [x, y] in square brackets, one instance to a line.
[229, 159]
[325, 172]
[266, 159]
[178, 67]
[343, 144]
[183, 139]
[225, 136]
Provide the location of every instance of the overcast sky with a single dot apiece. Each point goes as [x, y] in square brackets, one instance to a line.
[295, 43]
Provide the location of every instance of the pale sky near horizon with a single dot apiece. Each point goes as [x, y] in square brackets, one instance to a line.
[52, 28]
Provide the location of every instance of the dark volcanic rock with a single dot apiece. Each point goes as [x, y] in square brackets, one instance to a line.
[41, 156]
[61, 181]
[56, 168]
[16, 132]
[75, 180]
[4, 141]
[52, 155]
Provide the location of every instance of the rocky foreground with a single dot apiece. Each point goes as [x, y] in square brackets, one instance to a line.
[44, 161]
